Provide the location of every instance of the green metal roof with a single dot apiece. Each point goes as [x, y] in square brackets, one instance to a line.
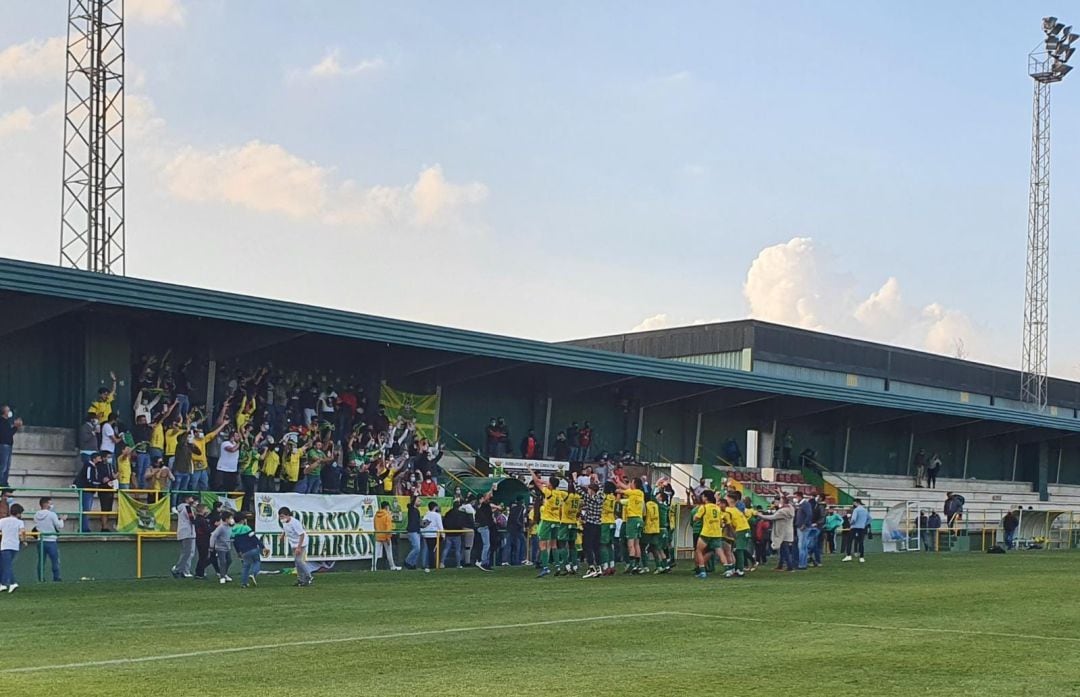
[51, 281]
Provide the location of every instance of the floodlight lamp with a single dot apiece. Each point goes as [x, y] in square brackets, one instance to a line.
[1051, 44]
[1061, 70]
[1070, 38]
[1065, 31]
[1066, 53]
[1048, 23]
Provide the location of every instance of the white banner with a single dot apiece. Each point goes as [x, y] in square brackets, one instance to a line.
[338, 527]
[510, 467]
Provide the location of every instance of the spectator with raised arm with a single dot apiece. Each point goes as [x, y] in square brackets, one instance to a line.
[102, 406]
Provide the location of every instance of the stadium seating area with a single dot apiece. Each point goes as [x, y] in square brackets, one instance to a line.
[990, 498]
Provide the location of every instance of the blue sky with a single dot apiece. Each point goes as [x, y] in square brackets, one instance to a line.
[570, 169]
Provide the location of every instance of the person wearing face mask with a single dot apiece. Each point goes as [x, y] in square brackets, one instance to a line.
[88, 438]
[9, 426]
[429, 487]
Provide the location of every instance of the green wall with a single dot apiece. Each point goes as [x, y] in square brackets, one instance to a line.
[41, 373]
[466, 407]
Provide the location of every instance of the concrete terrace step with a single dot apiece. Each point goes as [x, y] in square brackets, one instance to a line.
[37, 438]
[52, 460]
[870, 481]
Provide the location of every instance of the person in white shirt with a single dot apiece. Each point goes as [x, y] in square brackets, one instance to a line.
[228, 464]
[145, 408]
[293, 533]
[109, 437]
[430, 527]
[12, 536]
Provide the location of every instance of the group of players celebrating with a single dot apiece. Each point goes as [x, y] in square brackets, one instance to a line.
[567, 511]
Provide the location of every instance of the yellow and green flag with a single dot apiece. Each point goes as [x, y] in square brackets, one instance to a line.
[228, 502]
[419, 408]
[135, 516]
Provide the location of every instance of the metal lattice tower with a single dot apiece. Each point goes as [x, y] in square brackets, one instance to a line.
[92, 233]
[1046, 65]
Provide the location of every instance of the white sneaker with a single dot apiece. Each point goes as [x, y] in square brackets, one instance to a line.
[479, 565]
[3, 588]
[222, 580]
[228, 578]
[505, 563]
[862, 560]
[12, 587]
[526, 563]
[396, 568]
[427, 571]
[847, 558]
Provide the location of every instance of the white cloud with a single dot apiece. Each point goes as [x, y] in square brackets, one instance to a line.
[23, 121]
[260, 176]
[786, 284]
[267, 178]
[20, 120]
[34, 60]
[155, 12]
[432, 195]
[795, 283]
[649, 324]
[141, 120]
[330, 66]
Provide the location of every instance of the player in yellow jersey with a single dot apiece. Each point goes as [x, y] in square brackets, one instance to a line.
[633, 510]
[553, 492]
[607, 530]
[742, 535]
[712, 531]
[652, 537]
[567, 564]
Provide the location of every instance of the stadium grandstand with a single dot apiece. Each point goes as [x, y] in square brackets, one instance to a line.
[765, 408]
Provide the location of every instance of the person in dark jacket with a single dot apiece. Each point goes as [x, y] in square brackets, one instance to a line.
[820, 513]
[485, 527]
[87, 478]
[516, 520]
[454, 520]
[1010, 523]
[204, 526]
[106, 474]
[933, 524]
[954, 509]
[804, 526]
[412, 530]
[250, 549]
[561, 451]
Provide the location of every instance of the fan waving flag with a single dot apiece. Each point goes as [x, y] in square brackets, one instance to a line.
[422, 409]
[134, 516]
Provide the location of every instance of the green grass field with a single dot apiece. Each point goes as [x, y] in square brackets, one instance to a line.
[899, 625]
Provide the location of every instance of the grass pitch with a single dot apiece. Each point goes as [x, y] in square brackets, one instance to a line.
[964, 624]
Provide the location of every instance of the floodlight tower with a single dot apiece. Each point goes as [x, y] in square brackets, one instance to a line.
[92, 232]
[1047, 64]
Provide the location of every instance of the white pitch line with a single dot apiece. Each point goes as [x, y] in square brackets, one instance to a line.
[878, 627]
[320, 642]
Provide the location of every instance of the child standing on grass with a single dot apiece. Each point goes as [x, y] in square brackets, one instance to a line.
[221, 543]
[292, 533]
[250, 549]
[12, 537]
